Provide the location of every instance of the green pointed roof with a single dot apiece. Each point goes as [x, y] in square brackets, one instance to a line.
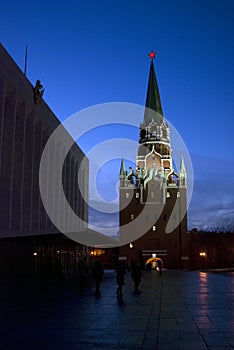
[182, 166]
[122, 172]
[153, 105]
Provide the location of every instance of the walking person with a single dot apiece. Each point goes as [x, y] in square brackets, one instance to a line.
[136, 275]
[83, 274]
[120, 273]
[160, 266]
[97, 273]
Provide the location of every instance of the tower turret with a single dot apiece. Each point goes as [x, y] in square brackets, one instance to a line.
[182, 174]
[122, 173]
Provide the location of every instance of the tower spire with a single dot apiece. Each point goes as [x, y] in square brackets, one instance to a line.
[122, 173]
[153, 110]
[182, 166]
[183, 174]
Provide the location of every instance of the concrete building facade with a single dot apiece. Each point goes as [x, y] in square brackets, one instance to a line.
[26, 124]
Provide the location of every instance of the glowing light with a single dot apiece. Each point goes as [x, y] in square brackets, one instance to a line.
[152, 54]
[35, 253]
[203, 254]
[130, 245]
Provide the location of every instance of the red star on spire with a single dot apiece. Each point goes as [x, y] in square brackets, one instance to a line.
[152, 54]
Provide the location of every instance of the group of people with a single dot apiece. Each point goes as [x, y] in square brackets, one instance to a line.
[136, 275]
[85, 269]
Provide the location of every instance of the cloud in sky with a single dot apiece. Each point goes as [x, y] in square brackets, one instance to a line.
[212, 205]
[101, 219]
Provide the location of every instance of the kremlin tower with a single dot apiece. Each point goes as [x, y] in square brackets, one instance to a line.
[153, 196]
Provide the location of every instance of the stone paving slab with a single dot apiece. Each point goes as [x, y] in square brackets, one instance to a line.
[178, 310]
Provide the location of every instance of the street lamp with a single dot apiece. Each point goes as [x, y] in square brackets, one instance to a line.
[203, 254]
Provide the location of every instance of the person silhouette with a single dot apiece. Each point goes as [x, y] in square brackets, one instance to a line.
[136, 275]
[120, 272]
[97, 273]
[160, 266]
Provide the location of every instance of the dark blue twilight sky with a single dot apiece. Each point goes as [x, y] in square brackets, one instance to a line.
[92, 52]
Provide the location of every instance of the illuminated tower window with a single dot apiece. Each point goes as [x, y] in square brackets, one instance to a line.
[132, 216]
[178, 194]
[137, 195]
[127, 195]
[154, 228]
[168, 195]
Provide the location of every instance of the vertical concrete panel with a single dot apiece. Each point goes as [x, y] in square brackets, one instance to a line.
[35, 195]
[61, 204]
[33, 175]
[72, 189]
[40, 206]
[18, 166]
[65, 189]
[28, 171]
[43, 215]
[76, 188]
[7, 157]
[69, 189]
[2, 114]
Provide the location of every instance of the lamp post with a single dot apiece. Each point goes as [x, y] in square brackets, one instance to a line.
[203, 255]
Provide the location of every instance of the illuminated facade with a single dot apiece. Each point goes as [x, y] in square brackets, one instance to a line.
[154, 195]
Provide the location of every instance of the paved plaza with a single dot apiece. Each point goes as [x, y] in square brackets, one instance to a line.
[178, 310]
